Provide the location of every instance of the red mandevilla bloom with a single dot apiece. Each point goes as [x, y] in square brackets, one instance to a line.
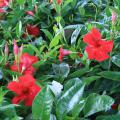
[25, 89]
[33, 30]
[97, 48]
[4, 3]
[62, 53]
[25, 65]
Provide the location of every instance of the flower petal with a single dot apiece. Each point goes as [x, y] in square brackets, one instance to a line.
[91, 51]
[15, 87]
[107, 46]
[101, 56]
[96, 34]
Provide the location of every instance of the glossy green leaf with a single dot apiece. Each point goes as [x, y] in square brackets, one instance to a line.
[61, 70]
[75, 35]
[89, 80]
[78, 73]
[116, 60]
[112, 75]
[42, 104]
[69, 99]
[108, 117]
[78, 108]
[96, 103]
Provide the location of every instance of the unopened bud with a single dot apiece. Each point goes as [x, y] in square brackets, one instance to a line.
[35, 8]
[6, 50]
[21, 49]
[15, 48]
[114, 17]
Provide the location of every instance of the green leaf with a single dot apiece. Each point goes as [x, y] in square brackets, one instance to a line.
[69, 99]
[96, 103]
[75, 35]
[21, 2]
[88, 80]
[78, 73]
[9, 72]
[55, 41]
[34, 48]
[48, 34]
[108, 117]
[38, 64]
[61, 70]
[110, 75]
[42, 104]
[78, 108]
[116, 60]
[19, 29]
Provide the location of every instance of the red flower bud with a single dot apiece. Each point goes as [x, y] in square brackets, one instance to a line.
[114, 17]
[30, 13]
[15, 48]
[62, 53]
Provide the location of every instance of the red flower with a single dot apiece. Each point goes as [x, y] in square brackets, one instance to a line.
[25, 65]
[58, 1]
[33, 30]
[25, 89]
[4, 3]
[97, 48]
[62, 53]
[2, 11]
[30, 13]
[114, 106]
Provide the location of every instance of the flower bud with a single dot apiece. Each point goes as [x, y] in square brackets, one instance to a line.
[21, 50]
[35, 8]
[114, 17]
[30, 13]
[15, 48]
[6, 50]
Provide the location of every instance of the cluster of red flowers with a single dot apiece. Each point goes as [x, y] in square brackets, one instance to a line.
[24, 86]
[3, 3]
[97, 48]
[25, 64]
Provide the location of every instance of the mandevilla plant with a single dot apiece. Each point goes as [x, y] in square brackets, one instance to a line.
[59, 60]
